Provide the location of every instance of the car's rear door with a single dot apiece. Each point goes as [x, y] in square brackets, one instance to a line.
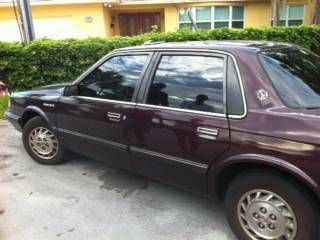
[180, 125]
[95, 122]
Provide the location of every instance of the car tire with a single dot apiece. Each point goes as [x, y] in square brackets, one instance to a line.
[41, 142]
[265, 205]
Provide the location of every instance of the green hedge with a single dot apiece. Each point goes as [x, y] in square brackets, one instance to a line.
[52, 61]
[4, 101]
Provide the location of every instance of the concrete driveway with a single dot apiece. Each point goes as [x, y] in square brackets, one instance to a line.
[85, 199]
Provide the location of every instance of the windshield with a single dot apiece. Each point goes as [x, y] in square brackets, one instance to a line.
[295, 74]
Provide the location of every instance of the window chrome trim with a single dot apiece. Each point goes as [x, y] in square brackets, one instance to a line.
[169, 157]
[181, 110]
[95, 139]
[245, 110]
[232, 116]
[105, 100]
[108, 56]
[145, 50]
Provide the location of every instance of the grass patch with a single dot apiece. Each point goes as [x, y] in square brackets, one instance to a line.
[4, 102]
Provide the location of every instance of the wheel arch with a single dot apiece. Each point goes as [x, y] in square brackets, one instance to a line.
[31, 112]
[221, 175]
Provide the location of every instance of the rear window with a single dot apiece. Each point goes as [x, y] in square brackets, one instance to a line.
[295, 74]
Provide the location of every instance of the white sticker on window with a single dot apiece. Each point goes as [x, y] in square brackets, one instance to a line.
[263, 96]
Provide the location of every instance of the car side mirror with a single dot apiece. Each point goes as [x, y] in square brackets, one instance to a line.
[70, 90]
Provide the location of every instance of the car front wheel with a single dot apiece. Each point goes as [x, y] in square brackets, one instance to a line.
[263, 205]
[41, 142]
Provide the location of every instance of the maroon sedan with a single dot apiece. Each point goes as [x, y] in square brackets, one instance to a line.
[235, 120]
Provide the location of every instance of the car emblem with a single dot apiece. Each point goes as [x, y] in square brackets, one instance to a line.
[51, 105]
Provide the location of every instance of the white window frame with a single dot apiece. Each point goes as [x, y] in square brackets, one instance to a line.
[237, 20]
[212, 20]
[194, 15]
[226, 20]
[186, 22]
[286, 18]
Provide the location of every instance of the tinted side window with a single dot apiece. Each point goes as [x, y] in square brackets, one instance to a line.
[115, 79]
[189, 82]
[235, 105]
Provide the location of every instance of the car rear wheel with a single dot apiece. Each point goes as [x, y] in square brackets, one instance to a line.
[41, 142]
[263, 206]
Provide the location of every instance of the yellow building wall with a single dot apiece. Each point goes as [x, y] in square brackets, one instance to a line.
[171, 18]
[109, 30]
[257, 14]
[78, 13]
[106, 18]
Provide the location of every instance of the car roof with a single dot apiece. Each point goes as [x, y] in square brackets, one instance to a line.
[228, 46]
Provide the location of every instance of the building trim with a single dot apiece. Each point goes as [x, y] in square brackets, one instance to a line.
[7, 3]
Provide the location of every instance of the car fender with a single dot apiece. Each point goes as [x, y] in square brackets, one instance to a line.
[39, 112]
[259, 160]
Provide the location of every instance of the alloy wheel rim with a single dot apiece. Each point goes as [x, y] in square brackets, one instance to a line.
[43, 143]
[264, 215]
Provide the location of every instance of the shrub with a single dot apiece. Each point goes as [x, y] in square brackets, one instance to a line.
[4, 101]
[52, 61]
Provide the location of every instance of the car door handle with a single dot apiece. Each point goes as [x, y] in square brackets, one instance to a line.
[115, 117]
[207, 133]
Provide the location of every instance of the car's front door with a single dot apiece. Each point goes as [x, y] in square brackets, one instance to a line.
[95, 121]
[180, 125]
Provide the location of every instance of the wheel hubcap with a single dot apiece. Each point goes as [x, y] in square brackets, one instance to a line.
[264, 215]
[43, 143]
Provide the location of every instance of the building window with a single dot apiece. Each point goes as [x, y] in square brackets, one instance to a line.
[291, 15]
[221, 17]
[203, 17]
[237, 17]
[212, 17]
[185, 18]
